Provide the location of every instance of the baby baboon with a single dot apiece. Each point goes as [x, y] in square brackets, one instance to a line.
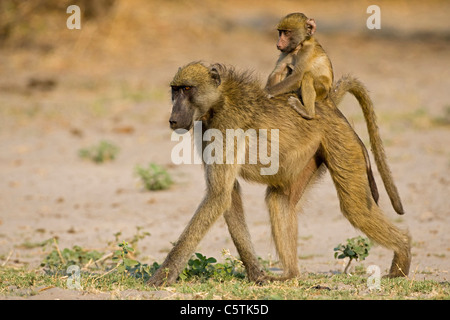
[303, 66]
[235, 100]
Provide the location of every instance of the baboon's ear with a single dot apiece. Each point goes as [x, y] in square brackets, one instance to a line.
[310, 27]
[215, 76]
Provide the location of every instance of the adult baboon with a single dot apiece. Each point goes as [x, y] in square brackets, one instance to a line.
[232, 100]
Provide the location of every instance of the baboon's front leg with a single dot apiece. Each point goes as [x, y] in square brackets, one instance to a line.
[220, 182]
[207, 213]
[237, 226]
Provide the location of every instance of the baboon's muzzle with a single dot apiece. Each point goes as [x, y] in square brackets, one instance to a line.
[180, 120]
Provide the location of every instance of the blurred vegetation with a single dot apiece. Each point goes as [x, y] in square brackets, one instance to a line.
[154, 177]
[18, 17]
[102, 152]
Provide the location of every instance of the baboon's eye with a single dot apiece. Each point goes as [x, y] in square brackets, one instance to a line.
[186, 88]
[284, 32]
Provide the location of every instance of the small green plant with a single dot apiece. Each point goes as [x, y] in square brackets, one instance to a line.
[133, 242]
[154, 177]
[198, 266]
[126, 264]
[232, 267]
[201, 267]
[139, 236]
[61, 259]
[102, 152]
[121, 257]
[356, 249]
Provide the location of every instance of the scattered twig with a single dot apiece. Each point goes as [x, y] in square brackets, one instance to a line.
[88, 264]
[59, 252]
[106, 256]
[45, 288]
[103, 258]
[7, 259]
[102, 275]
[414, 277]
[400, 269]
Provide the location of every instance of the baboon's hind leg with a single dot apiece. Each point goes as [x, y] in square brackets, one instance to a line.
[348, 171]
[283, 219]
[379, 229]
[281, 204]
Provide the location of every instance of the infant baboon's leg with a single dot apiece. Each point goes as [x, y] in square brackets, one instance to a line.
[309, 95]
[306, 109]
[298, 106]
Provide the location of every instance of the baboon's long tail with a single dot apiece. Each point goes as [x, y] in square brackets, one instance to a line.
[358, 90]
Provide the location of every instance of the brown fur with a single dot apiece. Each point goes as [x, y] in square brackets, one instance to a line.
[302, 55]
[237, 101]
[303, 66]
[357, 89]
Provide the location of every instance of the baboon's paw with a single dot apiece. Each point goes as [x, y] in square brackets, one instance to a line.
[398, 274]
[273, 278]
[259, 277]
[298, 107]
[161, 278]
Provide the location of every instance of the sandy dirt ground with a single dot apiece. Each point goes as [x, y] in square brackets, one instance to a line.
[62, 90]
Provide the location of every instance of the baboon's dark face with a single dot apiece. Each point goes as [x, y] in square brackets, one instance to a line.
[194, 91]
[182, 107]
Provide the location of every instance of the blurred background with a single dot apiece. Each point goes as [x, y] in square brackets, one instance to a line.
[138, 46]
[62, 90]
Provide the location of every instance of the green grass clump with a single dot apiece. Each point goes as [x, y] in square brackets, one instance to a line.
[154, 177]
[102, 152]
[57, 259]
